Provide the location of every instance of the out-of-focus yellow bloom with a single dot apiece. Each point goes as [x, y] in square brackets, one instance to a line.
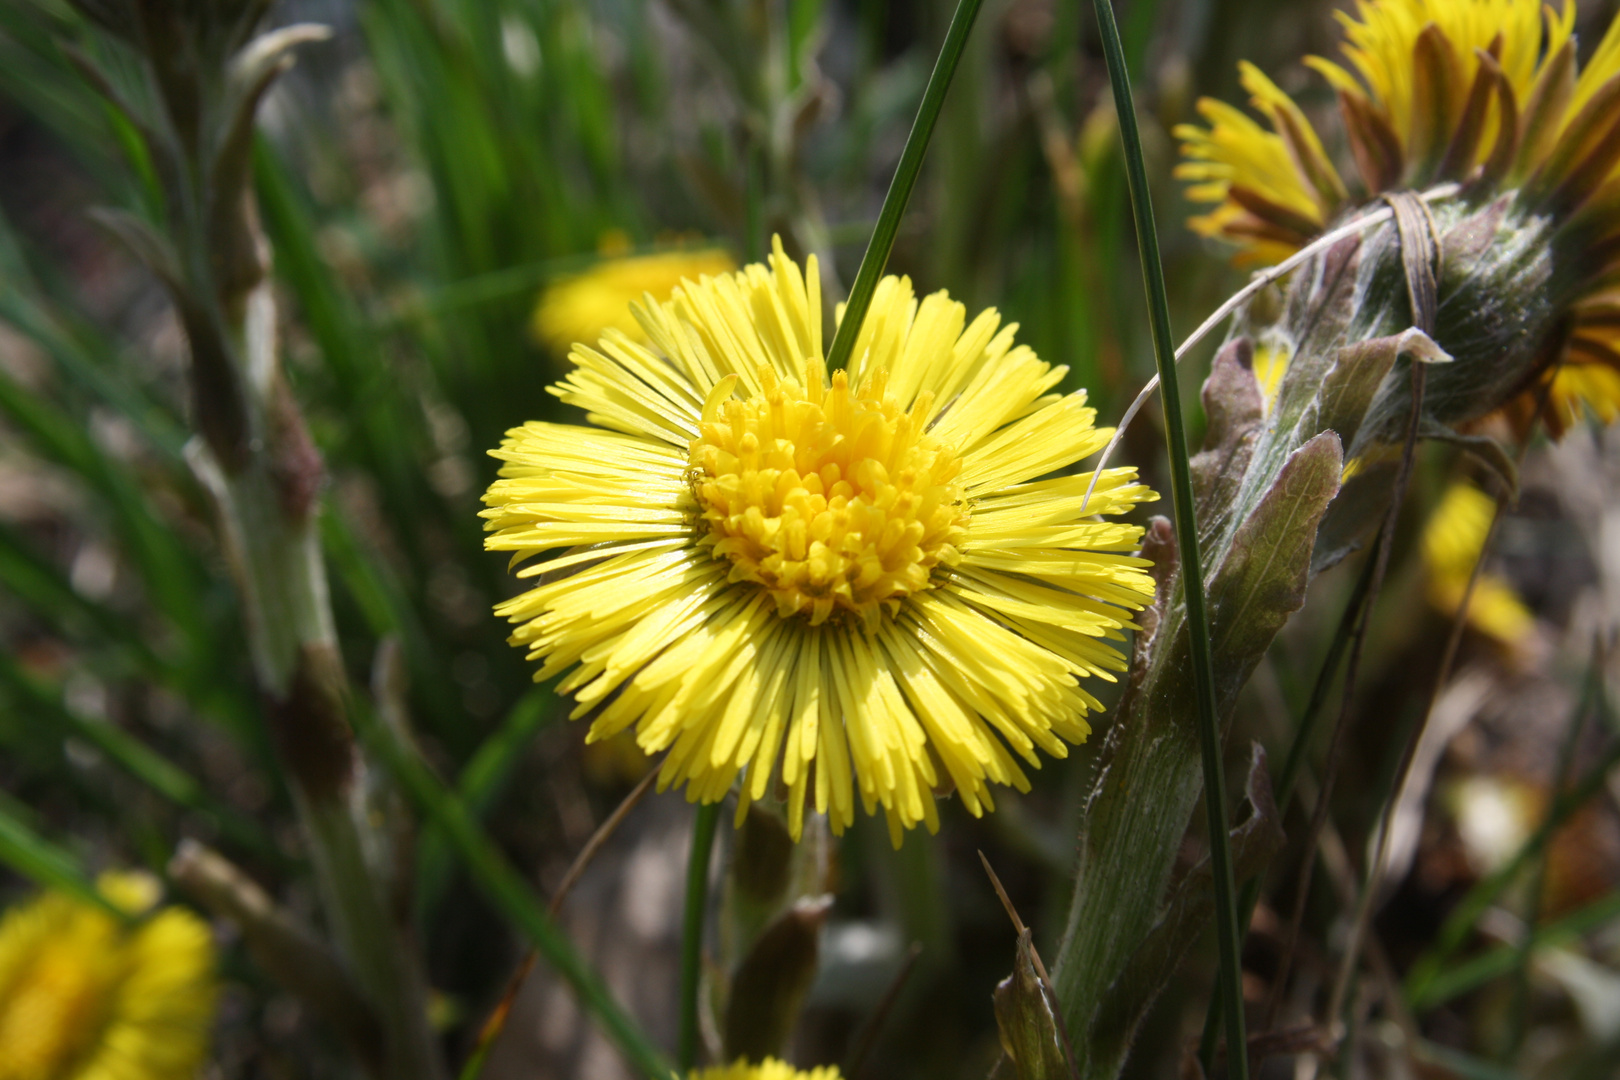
[859, 578]
[86, 997]
[1484, 92]
[578, 309]
[769, 1069]
[1452, 543]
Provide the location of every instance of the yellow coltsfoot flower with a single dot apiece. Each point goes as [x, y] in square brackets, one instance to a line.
[580, 308]
[856, 579]
[769, 1069]
[1486, 93]
[86, 997]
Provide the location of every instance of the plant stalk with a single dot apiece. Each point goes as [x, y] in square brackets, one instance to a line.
[1230, 981]
[704, 824]
[905, 178]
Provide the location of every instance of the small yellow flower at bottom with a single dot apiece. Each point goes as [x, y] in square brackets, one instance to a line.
[85, 997]
[769, 1069]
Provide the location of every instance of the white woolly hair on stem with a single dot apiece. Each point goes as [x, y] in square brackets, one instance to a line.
[1237, 300]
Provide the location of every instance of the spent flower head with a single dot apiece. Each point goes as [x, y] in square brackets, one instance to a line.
[1484, 93]
[865, 580]
[86, 997]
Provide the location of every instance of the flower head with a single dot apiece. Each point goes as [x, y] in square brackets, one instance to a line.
[1453, 541]
[85, 997]
[769, 1069]
[1486, 93]
[858, 578]
[580, 308]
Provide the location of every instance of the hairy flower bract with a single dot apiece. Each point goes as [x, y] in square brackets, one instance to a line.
[1485, 93]
[867, 580]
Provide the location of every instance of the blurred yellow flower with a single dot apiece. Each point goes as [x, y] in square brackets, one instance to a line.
[578, 309]
[769, 1069]
[1452, 543]
[1485, 92]
[859, 576]
[85, 997]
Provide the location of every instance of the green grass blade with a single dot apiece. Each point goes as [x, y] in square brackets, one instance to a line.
[905, 178]
[48, 865]
[697, 906]
[480, 784]
[382, 433]
[487, 772]
[166, 567]
[1504, 959]
[131, 755]
[1459, 1064]
[1454, 932]
[42, 587]
[512, 895]
[1192, 575]
[383, 603]
[1538, 876]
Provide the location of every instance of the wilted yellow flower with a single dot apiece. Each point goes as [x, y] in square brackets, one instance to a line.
[857, 575]
[1453, 541]
[1482, 92]
[769, 1069]
[580, 308]
[86, 997]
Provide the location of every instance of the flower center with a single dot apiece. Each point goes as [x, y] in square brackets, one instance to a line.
[832, 499]
[52, 1016]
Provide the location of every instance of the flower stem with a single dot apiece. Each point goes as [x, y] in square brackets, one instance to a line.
[1209, 737]
[697, 902]
[905, 178]
[1283, 788]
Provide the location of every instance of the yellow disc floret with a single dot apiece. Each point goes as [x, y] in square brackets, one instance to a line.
[832, 498]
